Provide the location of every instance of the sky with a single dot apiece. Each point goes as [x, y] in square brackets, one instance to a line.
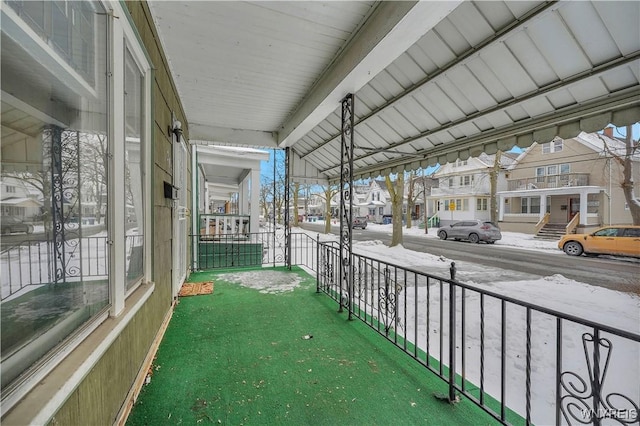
[614, 308]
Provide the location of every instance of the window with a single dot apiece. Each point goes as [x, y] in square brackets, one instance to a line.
[565, 168]
[133, 199]
[530, 205]
[73, 274]
[450, 182]
[593, 203]
[93, 163]
[557, 145]
[540, 174]
[11, 189]
[607, 232]
[553, 146]
[631, 232]
[460, 163]
[482, 204]
[381, 211]
[466, 180]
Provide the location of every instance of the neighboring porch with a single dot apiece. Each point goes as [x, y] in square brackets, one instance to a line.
[576, 208]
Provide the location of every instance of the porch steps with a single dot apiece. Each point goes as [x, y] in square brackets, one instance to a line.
[551, 232]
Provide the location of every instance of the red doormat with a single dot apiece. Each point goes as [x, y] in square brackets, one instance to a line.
[194, 289]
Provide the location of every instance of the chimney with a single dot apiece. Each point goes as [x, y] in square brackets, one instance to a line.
[608, 131]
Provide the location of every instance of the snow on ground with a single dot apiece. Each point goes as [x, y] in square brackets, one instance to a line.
[269, 282]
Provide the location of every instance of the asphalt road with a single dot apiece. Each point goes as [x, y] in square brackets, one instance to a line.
[622, 274]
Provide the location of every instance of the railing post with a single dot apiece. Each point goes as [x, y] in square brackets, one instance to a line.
[452, 340]
[318, 266]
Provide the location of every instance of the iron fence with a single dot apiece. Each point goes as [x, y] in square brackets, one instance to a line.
[253, 249]
[520, 362]
[30, 263]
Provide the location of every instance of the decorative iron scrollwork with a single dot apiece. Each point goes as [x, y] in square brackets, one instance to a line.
[387, 302]
[585, 402]
[63, 157]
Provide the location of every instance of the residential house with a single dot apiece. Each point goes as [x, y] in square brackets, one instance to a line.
[20, 199]
[423, 186]
[377, 202]
[554, 182]
[464, 187]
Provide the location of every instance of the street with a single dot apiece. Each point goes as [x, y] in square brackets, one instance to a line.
[621, 274]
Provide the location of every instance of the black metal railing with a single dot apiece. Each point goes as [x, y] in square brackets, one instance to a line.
[252, 249]
[30, 263]
[520, 362]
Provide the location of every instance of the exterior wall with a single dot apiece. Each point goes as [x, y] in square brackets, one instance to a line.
[589, 162]
[101, 396]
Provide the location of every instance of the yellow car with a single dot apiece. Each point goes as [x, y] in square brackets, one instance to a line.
[622, 240]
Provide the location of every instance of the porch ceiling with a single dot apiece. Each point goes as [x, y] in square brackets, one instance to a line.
[433, 81]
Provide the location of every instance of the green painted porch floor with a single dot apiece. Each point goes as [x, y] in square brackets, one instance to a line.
[238, 357]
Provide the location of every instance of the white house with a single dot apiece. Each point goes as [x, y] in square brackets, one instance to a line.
[464, 188]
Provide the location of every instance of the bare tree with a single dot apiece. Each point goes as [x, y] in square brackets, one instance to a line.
[296, 192]
[625, 161]
[493, 181]
[396, 191]
[329, 191]
[412, 196]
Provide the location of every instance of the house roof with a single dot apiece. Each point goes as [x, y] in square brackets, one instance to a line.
[593, 141]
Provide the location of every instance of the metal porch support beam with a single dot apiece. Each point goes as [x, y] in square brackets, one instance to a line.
[346, 202]
[287, 188]
[64, 157]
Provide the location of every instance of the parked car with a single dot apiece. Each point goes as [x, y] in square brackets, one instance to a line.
[472, 230]
[613, 240]
[359, 222]
[11, 224]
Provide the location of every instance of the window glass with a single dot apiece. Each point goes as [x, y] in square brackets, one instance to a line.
[607, 232]
[546, 148]
[557, 145]
[535, 204]
[133, 194]
[54, 150]
[565, 168]
[552, 170]
[631, 232]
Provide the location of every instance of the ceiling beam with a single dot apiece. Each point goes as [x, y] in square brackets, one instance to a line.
[392, 28]
[204, 134]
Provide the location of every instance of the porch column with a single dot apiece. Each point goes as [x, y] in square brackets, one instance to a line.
[346, 201]
[254, 208]
[583, 207]
[244, 196]
[500, 207]
[543, 206]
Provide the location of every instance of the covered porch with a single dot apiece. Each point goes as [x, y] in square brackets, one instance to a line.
[554, 205]
[281, 355]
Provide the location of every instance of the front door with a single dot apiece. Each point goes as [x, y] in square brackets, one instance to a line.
[574, 207]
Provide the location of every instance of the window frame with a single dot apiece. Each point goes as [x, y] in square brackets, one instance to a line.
[123, 36]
